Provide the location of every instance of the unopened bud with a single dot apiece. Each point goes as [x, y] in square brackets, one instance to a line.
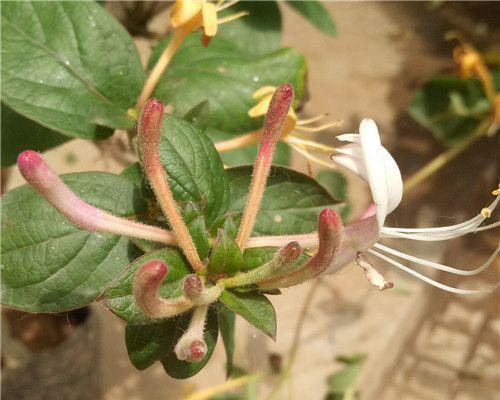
[193, 286]
[191, 347]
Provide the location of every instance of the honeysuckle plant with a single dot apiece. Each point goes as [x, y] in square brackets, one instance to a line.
[180, 243]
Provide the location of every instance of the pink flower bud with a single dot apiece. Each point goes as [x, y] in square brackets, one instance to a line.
[150, 123]
[191, 347]
[147, 282]
[330, 233]
[193, 286]
[271, 131]
[36, 172]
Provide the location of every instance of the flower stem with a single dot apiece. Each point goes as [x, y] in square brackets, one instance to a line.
[149, 86]
[440, 161]
[149, 143]
[271, 131]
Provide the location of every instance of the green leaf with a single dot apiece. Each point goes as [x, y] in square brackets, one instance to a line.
[49, 265]
[226, 257]
[257, 33]
[341, 385]
[147, 344]
[119, 297]
[197, 228]
[452, 108]
[254, 307]
[199, 116]
[316, 14]
[227, 320]
[195, 171]
[226, 77]
[336, 184]
[291, 203]
[247, 154]
[19, 134]
[83, 69]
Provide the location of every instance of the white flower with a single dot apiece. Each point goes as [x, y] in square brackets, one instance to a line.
[366, 156]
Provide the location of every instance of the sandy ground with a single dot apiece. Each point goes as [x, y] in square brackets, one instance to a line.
[351, 76]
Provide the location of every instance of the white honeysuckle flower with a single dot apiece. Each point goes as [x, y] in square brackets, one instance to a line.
[365, 156]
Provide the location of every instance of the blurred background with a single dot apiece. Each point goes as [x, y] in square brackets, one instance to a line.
[411, 342]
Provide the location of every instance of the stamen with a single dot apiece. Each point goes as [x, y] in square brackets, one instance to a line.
[309, 143]
[191, 347]
[238, 142]
[429, 280]
[233, 17]
[330, 235]
[149, 142]
[486, 212]
[222, 5]
[147, 282]
[36, 172]
[438, 266]
[271, 131]
[318, 128]
[310, 157]
[312, 119]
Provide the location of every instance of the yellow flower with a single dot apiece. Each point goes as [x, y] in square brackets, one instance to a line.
[191, 15]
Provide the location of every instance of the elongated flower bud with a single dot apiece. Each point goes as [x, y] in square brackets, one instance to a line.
[80, 213]
[149, 144]
[281, 263]
[191, 347]
[330, 233]
[147, 282]
[271, 131]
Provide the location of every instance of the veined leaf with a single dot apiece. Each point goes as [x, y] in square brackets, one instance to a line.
[316, 14]
[82, 71]
[48, 264]
[254, 307]
[291, 203]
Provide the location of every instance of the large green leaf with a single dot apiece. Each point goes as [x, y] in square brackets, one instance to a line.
[194, 168]
[254, 307]
[316, 14]
[50, 265]
[19, 134]
[291, 203]
[336, 184]
[257, 33]
[69, 66]
[452, 108]
[147, 344]
[227, 77]
[120, 299]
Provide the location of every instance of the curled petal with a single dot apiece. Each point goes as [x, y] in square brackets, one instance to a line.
[147, 282]
[36, 172]
[373, 276]
[330, 235]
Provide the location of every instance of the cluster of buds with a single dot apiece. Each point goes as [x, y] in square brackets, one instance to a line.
[334, 245]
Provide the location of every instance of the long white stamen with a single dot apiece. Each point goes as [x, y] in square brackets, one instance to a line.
[486, 227]
[429, 280]
[312, 119]
[445, 232]
[438, 266]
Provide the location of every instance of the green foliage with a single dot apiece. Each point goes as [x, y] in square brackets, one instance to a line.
[83, 70]
[227, 320]
[19, 134]
[451, 107]
[48, 264]
[316, 14]
[226, 256]
[226, 77]
[291, 203]
[254, 307]
[336, 184]
[341, 385]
